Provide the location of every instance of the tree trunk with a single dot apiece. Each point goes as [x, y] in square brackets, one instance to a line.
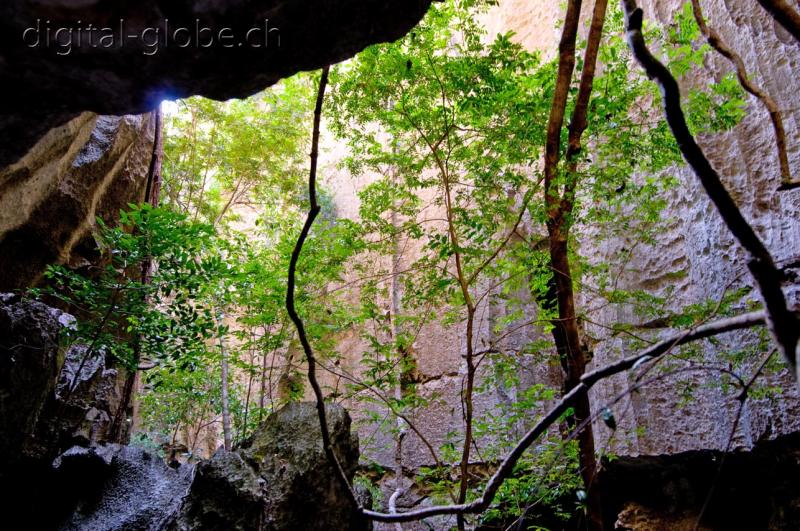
[559, 205]
[401, 367]
[573, 360]
[226, 412]
[119, 427]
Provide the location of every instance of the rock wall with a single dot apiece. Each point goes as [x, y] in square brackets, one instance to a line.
[279, 479]
[51, 396]
[59, 168]
[60, 469]
[49, 199]
[696, 244]
[30, 360]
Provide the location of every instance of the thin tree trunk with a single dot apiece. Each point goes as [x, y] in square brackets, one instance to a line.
[235, 196]
[566, 333]
[262, 398]
[151, 196]
[401, 367]
[226, 412]
[202, 190]
[251, 376]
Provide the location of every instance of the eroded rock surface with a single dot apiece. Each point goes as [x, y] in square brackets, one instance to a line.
[123, 489]
[695, 257]
[280, 479]
[82, 410]
[92, 166]
[30, 359]
[40, 418]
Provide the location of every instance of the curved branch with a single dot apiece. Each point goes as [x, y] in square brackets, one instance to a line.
[783, 323]
[290, 303]
[565, 403]
[784, 14]
[715, 41]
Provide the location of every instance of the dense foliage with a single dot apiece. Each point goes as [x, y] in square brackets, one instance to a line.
[447, 129]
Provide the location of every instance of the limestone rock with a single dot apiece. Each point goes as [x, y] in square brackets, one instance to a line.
[92, 166]
[30, 358]
[121, 488]
[697, 259]
[81, 411]
[39, 418]
[279, 479]
[304, 493]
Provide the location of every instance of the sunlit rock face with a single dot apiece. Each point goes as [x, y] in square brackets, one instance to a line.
[695, 256]
[59, 58]
[92, 166]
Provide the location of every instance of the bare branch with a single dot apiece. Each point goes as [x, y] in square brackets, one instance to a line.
[721, 326]
[588, 380]
[715, 41]
[290, 304]
[784, 14]
[783, 324]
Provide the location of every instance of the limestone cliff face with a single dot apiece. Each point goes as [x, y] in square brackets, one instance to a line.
[92, 166]
[696, 243]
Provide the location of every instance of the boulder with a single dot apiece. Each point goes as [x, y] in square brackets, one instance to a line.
[121, 488]
[30, 359]
[279, 479]
[39, 418]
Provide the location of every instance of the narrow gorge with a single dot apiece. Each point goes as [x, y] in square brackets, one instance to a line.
[452, 264]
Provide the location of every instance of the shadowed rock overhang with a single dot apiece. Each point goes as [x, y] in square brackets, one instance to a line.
[61, 57]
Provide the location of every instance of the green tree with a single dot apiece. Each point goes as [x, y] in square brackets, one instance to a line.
[240, 153]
